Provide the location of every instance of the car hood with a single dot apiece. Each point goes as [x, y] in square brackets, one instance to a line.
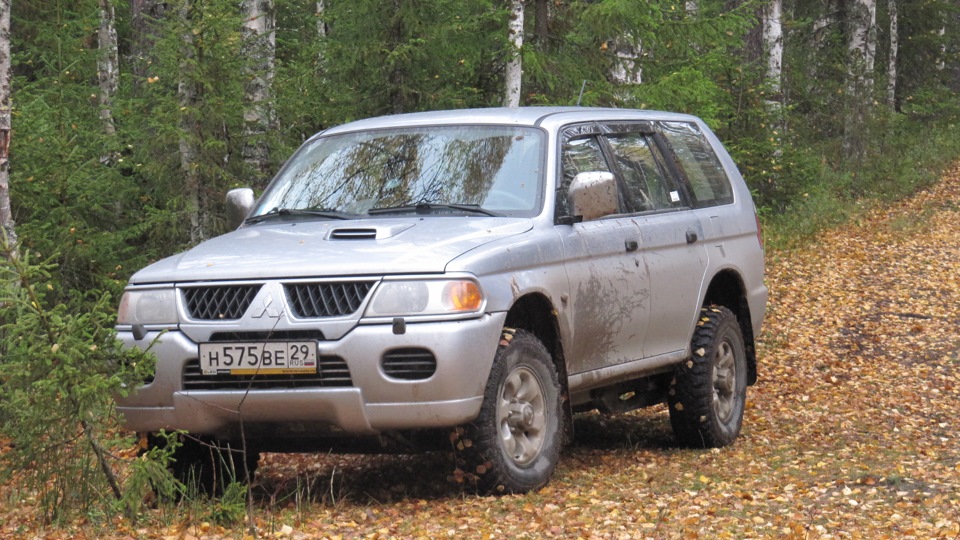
[332, 248]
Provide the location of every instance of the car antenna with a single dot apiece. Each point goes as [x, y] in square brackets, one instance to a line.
[582, 86]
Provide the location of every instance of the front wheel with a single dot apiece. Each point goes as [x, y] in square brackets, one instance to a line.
[708, 391]
[514, 444]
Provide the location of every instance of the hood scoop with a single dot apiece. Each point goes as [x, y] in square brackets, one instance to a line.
[378, 232]
[353, 234]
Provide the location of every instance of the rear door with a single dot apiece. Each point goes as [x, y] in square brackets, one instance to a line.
[710, 191]
[671, 234]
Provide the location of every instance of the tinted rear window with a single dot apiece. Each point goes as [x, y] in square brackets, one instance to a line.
[708, 181]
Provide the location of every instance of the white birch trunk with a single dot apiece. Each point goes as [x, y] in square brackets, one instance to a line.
[627, 68]
[861, 49]
[260, 39]
[108, 64]
[773, 43]
[892, 56]
[862, 44]
[773, 47]
[187, 93]
[322, 29]
[942, 58]
[9, 246]
[514, 73]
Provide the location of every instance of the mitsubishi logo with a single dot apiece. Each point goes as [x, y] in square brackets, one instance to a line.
[264, 307]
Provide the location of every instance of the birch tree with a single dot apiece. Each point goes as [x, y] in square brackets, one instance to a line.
[322, 28]
[6, 213]
[773, 46]
[514, 72]
[260, 41]
[861, 50]
[627, 68]
[892, 56]
[942, 57]
[108, 64]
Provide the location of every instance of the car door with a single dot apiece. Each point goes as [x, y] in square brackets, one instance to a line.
[609, 294]
[671, 235]
[709, 186]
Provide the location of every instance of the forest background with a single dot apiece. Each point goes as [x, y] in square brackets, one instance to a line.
[123, 123]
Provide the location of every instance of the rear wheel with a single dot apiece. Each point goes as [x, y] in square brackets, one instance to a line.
[708, 391]
[514, 444]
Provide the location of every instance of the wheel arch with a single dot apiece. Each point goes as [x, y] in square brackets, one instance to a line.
[535, 313]
[727, 289]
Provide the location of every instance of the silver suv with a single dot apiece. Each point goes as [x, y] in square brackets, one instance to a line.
[460, 279]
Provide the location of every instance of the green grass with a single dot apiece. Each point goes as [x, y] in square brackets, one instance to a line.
[905, 157]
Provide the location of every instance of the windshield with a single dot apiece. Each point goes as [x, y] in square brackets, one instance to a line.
[493, 170]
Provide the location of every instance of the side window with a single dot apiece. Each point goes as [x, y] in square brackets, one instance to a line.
[648, 185]
[708, 182]
[578, 155]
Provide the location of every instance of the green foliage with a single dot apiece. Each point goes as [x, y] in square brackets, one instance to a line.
[401, 56]
[681, 57]
[69, 198]
[192, 94]
[150, 477]
[61, 368]
[230, 508]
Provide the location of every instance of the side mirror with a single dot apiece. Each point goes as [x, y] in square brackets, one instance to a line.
[593, 195]
[239, 203]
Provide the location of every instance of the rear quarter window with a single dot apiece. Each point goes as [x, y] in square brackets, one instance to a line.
[709, 185]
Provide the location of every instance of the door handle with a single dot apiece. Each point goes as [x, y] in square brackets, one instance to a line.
[631, 245]
[691, 237]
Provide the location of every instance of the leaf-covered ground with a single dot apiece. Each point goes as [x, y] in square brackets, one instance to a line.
[851, 431]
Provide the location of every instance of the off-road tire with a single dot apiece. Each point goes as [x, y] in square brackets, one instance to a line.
[708, 391]
[514, 444]
[206, 466]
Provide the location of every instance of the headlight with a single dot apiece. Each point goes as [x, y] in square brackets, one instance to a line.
[412, 298]
[148, 306]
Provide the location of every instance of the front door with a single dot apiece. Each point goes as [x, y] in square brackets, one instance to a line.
[610, 294]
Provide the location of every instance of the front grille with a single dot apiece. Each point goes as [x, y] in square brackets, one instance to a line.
[332, 372]
[409, 364]
[225, 302]
[311, 300]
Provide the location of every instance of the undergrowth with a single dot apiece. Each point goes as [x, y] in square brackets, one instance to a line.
[906, 156]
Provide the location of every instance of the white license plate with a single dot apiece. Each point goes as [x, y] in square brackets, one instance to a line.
[270, 357]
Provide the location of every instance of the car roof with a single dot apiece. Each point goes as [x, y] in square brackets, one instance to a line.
[520, 116]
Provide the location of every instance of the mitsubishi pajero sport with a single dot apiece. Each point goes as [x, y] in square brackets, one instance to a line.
[464, 279]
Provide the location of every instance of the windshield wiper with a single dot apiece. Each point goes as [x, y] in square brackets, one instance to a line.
[281, 212]
[426, 208]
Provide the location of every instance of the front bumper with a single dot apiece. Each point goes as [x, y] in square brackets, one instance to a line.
[375, 402]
